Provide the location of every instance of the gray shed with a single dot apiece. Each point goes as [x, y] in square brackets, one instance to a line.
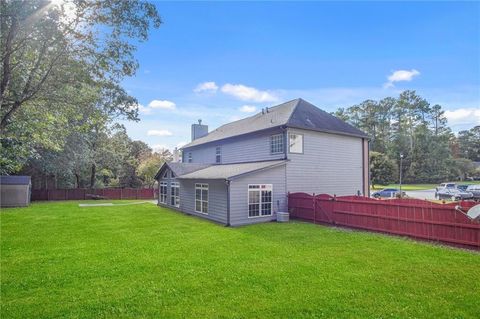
[15, 191]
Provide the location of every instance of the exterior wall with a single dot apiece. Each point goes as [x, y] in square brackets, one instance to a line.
[14, 195]
[330, 163]
[217, 199]
[249, 148]
[239, 195]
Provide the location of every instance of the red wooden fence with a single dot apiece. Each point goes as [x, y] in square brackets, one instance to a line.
[83, 193]
[407, 217]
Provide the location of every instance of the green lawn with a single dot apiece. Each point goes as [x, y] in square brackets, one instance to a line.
[416, 187]
[141, 261]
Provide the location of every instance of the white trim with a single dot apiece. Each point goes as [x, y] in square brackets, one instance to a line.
[161, 195]
[289, 146]
[268, 187]
[177, 197]
[218, 154]
[281, 135]
[201, 187]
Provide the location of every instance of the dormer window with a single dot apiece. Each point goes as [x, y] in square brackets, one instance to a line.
[276, 144]
[218, 154]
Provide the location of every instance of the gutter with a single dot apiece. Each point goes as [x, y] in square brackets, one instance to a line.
[227, 182]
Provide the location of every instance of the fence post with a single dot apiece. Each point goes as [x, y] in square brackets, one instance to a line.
[121, 193]
[314, 209]
[66, 194]
[136, 194]
[48, 194]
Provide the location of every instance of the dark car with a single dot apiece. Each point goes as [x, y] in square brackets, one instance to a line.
[453, 194]
[387, 193]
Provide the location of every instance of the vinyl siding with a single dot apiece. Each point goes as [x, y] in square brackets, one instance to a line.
[239, 195]
[217, 199]
[248, 148]
[330, 164]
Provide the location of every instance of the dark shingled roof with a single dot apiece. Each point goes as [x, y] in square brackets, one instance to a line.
[182, 168]
[14, 180]
[296, 113]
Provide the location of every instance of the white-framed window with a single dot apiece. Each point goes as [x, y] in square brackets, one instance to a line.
[276, 144]
[295, 143]
[201, 198]
[190, 159]
[260, 200]
[218, 154]
[163, 192]
[175, 194]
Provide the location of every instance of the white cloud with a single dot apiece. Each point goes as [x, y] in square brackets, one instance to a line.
[143, 109]
[246, 93]
[248, 109]
[181, 144]
[463, 116]
[159, 147]
[210, 87]
[159, 133]
[399, 76]
[162, 104]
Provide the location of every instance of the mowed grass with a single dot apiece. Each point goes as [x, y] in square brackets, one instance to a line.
[142, 261]
[417, 187]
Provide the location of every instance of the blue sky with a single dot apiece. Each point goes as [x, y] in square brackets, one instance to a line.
[224, 61]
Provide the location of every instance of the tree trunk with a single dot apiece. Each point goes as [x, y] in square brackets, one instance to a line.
[77, 178]
[92, 175]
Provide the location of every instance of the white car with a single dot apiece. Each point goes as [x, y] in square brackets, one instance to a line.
[445, 185]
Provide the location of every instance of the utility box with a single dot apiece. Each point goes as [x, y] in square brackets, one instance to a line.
[15, 191]
[283, 217]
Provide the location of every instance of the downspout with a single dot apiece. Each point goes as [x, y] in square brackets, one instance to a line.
[227, 182]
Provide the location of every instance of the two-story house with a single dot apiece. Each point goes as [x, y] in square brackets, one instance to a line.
[241, 172]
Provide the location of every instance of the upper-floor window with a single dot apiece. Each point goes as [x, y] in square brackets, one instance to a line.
[259, 200]
[295, 143]
[165, 175]
[218, 154]
[276, 144]
[189, 157]
[201, 198]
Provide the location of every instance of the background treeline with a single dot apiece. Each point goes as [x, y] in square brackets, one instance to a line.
[62, 67]
[411, 126]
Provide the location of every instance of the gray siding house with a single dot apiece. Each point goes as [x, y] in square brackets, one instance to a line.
[241, 172]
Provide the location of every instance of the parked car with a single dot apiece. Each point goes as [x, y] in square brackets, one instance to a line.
[462, 187]
[387, 193]
[453, 194]
[445, 185]
[475, 190]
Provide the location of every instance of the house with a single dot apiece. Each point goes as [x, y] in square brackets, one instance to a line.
[241, 172]
[15, 191]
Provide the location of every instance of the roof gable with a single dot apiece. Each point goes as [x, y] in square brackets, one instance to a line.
[310, 117]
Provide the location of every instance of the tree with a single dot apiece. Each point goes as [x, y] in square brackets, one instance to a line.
[469, 143]
[59, 59]
[150, 166]
[382, 169]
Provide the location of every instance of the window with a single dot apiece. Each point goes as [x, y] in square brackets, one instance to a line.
[260, 200]
[189, 157]
[295, 143]
[163, 192]
[276, 144]
[201, 198]
[165, 175]
[218, 154]
[175, 194]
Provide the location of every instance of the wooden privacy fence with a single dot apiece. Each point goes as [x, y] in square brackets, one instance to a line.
[407, 217]
[85, 193]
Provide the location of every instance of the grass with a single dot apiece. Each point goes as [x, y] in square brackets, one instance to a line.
[417, 187]
[142, 261]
